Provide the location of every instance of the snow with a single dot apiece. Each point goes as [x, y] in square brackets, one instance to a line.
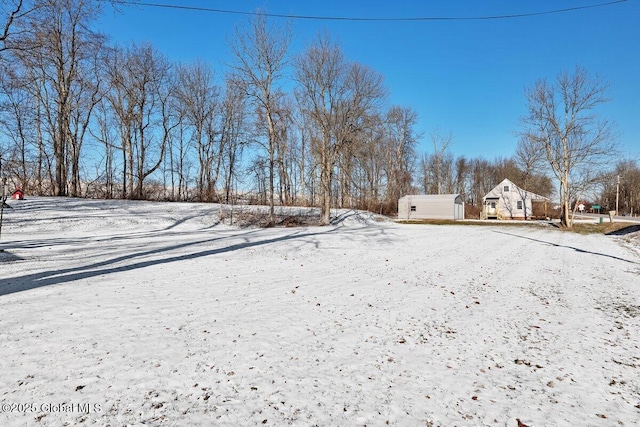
[140, 313]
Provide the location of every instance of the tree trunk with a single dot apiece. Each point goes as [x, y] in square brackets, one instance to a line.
[325, 184]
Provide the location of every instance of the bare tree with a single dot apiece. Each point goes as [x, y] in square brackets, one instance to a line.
[197, 98]
[337, 96]
[104, 133]
[529, 158]
[233, 134]
[461, 183]
[14, 26]
[305, 164]
[441, 158]
[17, 123]
[562, 122]
[370, 163]
[16, 29]
[10, 11]
[61, 64]
[84, 99]
[260, 58]
[621, 188]
[284, 145]
[437, 167]
[179, 159]
[401, 140]
[140, 85]
[481, 180]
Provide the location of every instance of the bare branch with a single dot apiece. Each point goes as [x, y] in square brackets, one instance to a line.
[563, 123]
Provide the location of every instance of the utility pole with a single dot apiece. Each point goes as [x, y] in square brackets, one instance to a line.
[617, 193]
[3, 199]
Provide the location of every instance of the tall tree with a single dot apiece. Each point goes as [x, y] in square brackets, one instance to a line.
[372, 162]
[437, 167]
[260, 52]
[461, 182]
[563, 122]
[18, 126]
[481, 180]
[233, 134]
[621, 188]
[197, 98]
[140, 82]
[337, 96]
[14, 23]
[529, 159]
[60, 62]
[284, 145]
[401, 140]
[105, 133]
[85, 98]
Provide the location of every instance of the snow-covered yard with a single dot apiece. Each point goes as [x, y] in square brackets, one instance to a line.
[138, 313]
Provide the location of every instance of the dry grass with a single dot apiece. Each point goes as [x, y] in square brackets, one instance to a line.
[604, 228]
[254, 219]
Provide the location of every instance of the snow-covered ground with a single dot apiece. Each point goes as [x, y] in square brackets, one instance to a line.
[120, 313]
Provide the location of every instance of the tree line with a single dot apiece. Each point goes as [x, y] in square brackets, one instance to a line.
[84, 118]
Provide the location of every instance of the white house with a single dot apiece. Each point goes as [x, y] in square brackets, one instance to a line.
[508, 201]
[431, 206]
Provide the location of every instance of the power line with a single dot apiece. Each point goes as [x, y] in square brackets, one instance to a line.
[344, 18]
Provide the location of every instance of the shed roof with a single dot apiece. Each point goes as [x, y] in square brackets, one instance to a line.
[451, 197]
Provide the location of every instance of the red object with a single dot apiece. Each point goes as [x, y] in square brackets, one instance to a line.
[18, 195]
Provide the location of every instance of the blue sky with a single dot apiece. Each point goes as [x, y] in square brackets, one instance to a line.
[463, 76]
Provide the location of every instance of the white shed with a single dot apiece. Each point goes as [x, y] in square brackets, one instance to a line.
[431, 206]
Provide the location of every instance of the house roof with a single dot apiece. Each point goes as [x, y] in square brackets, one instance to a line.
[496, 192]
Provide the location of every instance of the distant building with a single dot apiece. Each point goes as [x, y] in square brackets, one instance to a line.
[18, 195]
[431, 206]
[508, 201]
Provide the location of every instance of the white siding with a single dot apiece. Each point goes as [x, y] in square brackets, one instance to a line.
[508, 200]
[441, 206]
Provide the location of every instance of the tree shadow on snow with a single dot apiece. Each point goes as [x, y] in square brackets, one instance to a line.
[624, 231]
[6, 256]
[108, 211]
[360, 217]
[105, 267]
[111, 238]
[569, 247]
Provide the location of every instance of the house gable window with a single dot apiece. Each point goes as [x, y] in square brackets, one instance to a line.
[506, 189]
